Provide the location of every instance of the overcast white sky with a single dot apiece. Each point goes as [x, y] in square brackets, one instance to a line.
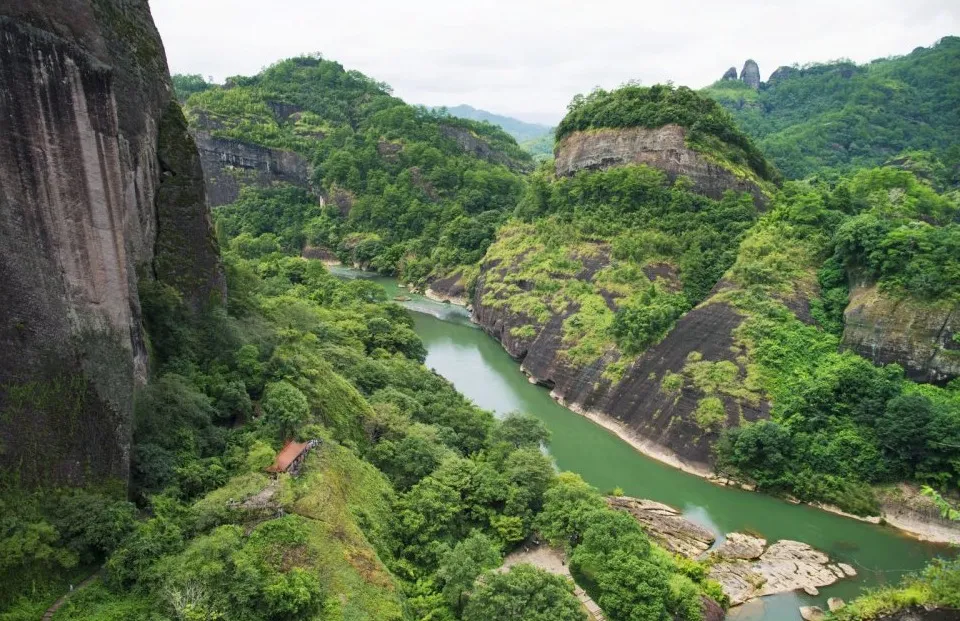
[527, 58]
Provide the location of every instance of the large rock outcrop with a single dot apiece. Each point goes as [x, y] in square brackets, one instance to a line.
[920, 337]
[744, 565]
[664, 148]
[475, 145]
[229, 165]
[750, 74]
[97, 187]
[658, 420]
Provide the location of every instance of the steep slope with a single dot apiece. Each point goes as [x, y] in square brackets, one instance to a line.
[590, 285]
[101, 187]
[842, 115]
[403, 189]
[675, 130]
[652, 309]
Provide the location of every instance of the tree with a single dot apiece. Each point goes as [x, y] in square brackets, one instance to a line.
[285, 407]
[460, 567]
[520, 430]
[524, 593]
[904, 429]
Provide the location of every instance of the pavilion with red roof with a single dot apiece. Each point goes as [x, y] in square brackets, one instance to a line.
[291, 456]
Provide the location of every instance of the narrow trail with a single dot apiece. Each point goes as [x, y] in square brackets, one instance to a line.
[52, 610]
[552, 561]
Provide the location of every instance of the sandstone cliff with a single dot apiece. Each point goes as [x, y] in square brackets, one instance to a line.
[654, 403]
[664, 148]
[99, 183]
[920, 337]
[230, 164]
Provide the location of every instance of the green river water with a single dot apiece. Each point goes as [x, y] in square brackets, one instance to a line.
[480, 369]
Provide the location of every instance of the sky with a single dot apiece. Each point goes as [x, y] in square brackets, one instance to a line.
[528, 58]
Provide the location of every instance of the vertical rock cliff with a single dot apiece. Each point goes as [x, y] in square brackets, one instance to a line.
[99, 182]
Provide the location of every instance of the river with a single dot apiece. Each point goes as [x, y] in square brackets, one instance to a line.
[480, 369]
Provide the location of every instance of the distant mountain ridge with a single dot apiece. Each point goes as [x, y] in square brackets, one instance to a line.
[844, 115]
[521, 130]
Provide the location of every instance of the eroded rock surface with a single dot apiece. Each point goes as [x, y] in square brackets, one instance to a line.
[743, 564]
[750, 74]
[919, 337]
[92, 189]
[664, 148]
[665, 525]
[784, 566]
[740, 546]
[657, 421]
[230, 164]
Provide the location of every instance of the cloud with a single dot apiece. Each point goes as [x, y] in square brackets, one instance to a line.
[528, 58]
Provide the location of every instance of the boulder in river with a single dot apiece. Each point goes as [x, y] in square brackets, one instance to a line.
[812, 613]
[835, 604]
[741, 546]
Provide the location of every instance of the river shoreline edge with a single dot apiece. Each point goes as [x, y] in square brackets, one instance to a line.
[914, 526]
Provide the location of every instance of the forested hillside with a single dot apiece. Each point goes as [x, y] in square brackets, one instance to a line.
[799, 337]
[838, 116]
[407, 190]
[722, 328]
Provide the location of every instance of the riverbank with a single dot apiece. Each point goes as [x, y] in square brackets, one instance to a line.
[901, 513]
[923, 527]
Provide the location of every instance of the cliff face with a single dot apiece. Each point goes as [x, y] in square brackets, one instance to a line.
[919, 337]
[664, 148]
[656, 416]
[231, 164]
[95, 190]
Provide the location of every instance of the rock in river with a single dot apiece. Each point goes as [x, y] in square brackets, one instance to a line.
[666, 526]
[743, 564]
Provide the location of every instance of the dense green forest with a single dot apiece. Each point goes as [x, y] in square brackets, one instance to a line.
[840, 115]
[839, 426]
[412, 493]
[838, 422]
[413, 496]
[421, 202]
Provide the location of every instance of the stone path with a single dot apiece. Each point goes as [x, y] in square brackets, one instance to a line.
[552, 561]
[52, 610]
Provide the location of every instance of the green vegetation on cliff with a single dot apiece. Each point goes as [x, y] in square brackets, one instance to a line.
[620, 254]
[842, 115]
[838, 422]
[408, 190]
[709, 127]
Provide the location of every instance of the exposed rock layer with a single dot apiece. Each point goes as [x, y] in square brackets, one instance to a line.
[665, 524]
[88, 189]
[922, 338]
[647, 412]
[744, 565]
[231, 164]
[664, 148]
